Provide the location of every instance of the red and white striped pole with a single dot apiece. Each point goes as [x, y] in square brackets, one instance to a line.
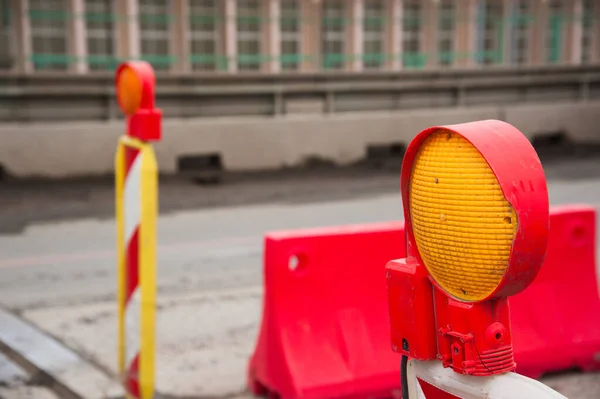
[132, 191]
[136, 175]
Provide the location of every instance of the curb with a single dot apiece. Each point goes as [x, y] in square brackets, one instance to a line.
[56, 366]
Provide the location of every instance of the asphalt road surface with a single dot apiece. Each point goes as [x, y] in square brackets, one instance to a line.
[57, 240]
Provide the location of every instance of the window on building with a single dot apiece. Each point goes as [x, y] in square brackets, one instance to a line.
[374, 33]
[49, 39]
[520, 23]
[446, 28]
[587, 30]
[99, 20]
[411, 34]
[554, 34]
[291, 23]
[6, 41]
[205, 36]
[154, 19]
[490, 32]
[249, 32]
[333, 34]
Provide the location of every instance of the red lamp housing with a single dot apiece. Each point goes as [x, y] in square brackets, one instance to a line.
[429, 321]
[135, 86]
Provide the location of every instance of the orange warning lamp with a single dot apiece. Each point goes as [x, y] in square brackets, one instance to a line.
[135, 87]
[477, 220]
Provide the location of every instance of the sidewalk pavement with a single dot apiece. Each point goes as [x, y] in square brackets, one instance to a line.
[203, 344]
[203, 340]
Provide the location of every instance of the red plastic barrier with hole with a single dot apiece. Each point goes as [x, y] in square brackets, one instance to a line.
[325, 327]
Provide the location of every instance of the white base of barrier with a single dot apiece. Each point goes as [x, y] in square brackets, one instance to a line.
[430, 380]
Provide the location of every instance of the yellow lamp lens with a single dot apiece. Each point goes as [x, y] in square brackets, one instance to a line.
[129, 90]
[463, 226]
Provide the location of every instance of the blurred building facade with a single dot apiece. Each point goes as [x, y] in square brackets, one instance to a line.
[274, 36]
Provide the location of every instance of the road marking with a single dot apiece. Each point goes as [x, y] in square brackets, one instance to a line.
[226, 245]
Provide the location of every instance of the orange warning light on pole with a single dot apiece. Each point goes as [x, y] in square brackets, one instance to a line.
[136, 187]
[135, 88]
[129, 90]
[477, 220]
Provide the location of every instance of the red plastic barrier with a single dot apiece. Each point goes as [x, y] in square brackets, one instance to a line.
[557, 319]
[325, 328]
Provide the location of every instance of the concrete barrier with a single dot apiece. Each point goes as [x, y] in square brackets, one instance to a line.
[253, 143]
[579, 121]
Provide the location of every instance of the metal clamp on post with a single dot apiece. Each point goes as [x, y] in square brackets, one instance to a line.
[136, 186]
[477, 221]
